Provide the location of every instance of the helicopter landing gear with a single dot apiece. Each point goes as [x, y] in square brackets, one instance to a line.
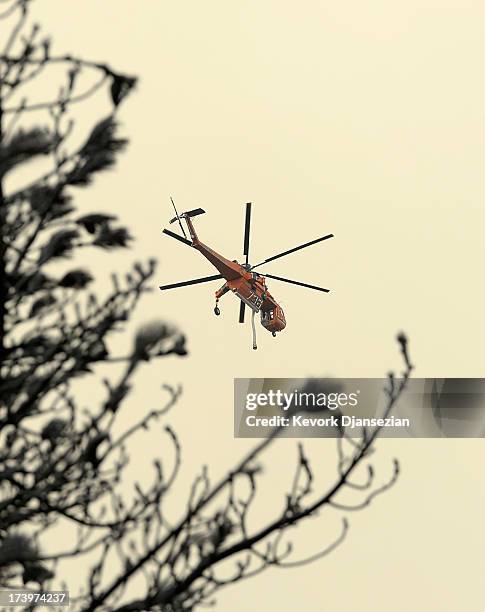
[273, 334]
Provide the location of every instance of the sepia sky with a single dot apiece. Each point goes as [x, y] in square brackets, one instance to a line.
[364, 119]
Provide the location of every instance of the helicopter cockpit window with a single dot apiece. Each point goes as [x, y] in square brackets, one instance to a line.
[267, 315]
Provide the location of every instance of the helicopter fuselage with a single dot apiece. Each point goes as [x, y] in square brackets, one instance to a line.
[249, 287]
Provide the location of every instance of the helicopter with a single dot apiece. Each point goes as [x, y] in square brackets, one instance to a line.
[241, 279]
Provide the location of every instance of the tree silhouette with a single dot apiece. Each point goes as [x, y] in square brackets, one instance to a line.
[63, 467]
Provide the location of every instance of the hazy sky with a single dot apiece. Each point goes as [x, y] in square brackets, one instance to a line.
[364, 119]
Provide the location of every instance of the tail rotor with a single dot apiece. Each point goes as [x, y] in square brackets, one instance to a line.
[177, 218]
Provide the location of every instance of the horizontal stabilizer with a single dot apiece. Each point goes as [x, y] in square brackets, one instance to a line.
[190, 213]
[195, 212]
[177, 237]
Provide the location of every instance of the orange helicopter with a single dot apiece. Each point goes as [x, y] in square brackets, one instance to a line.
[250, 287]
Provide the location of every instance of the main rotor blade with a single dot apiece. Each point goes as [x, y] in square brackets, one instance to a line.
[292, 282]
[180, 222]
[194, 281]
[302, 246]
[247, 229]
[242, 310]
[177, 237]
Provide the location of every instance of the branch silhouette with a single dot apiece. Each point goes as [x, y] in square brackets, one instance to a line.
[63, 466]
